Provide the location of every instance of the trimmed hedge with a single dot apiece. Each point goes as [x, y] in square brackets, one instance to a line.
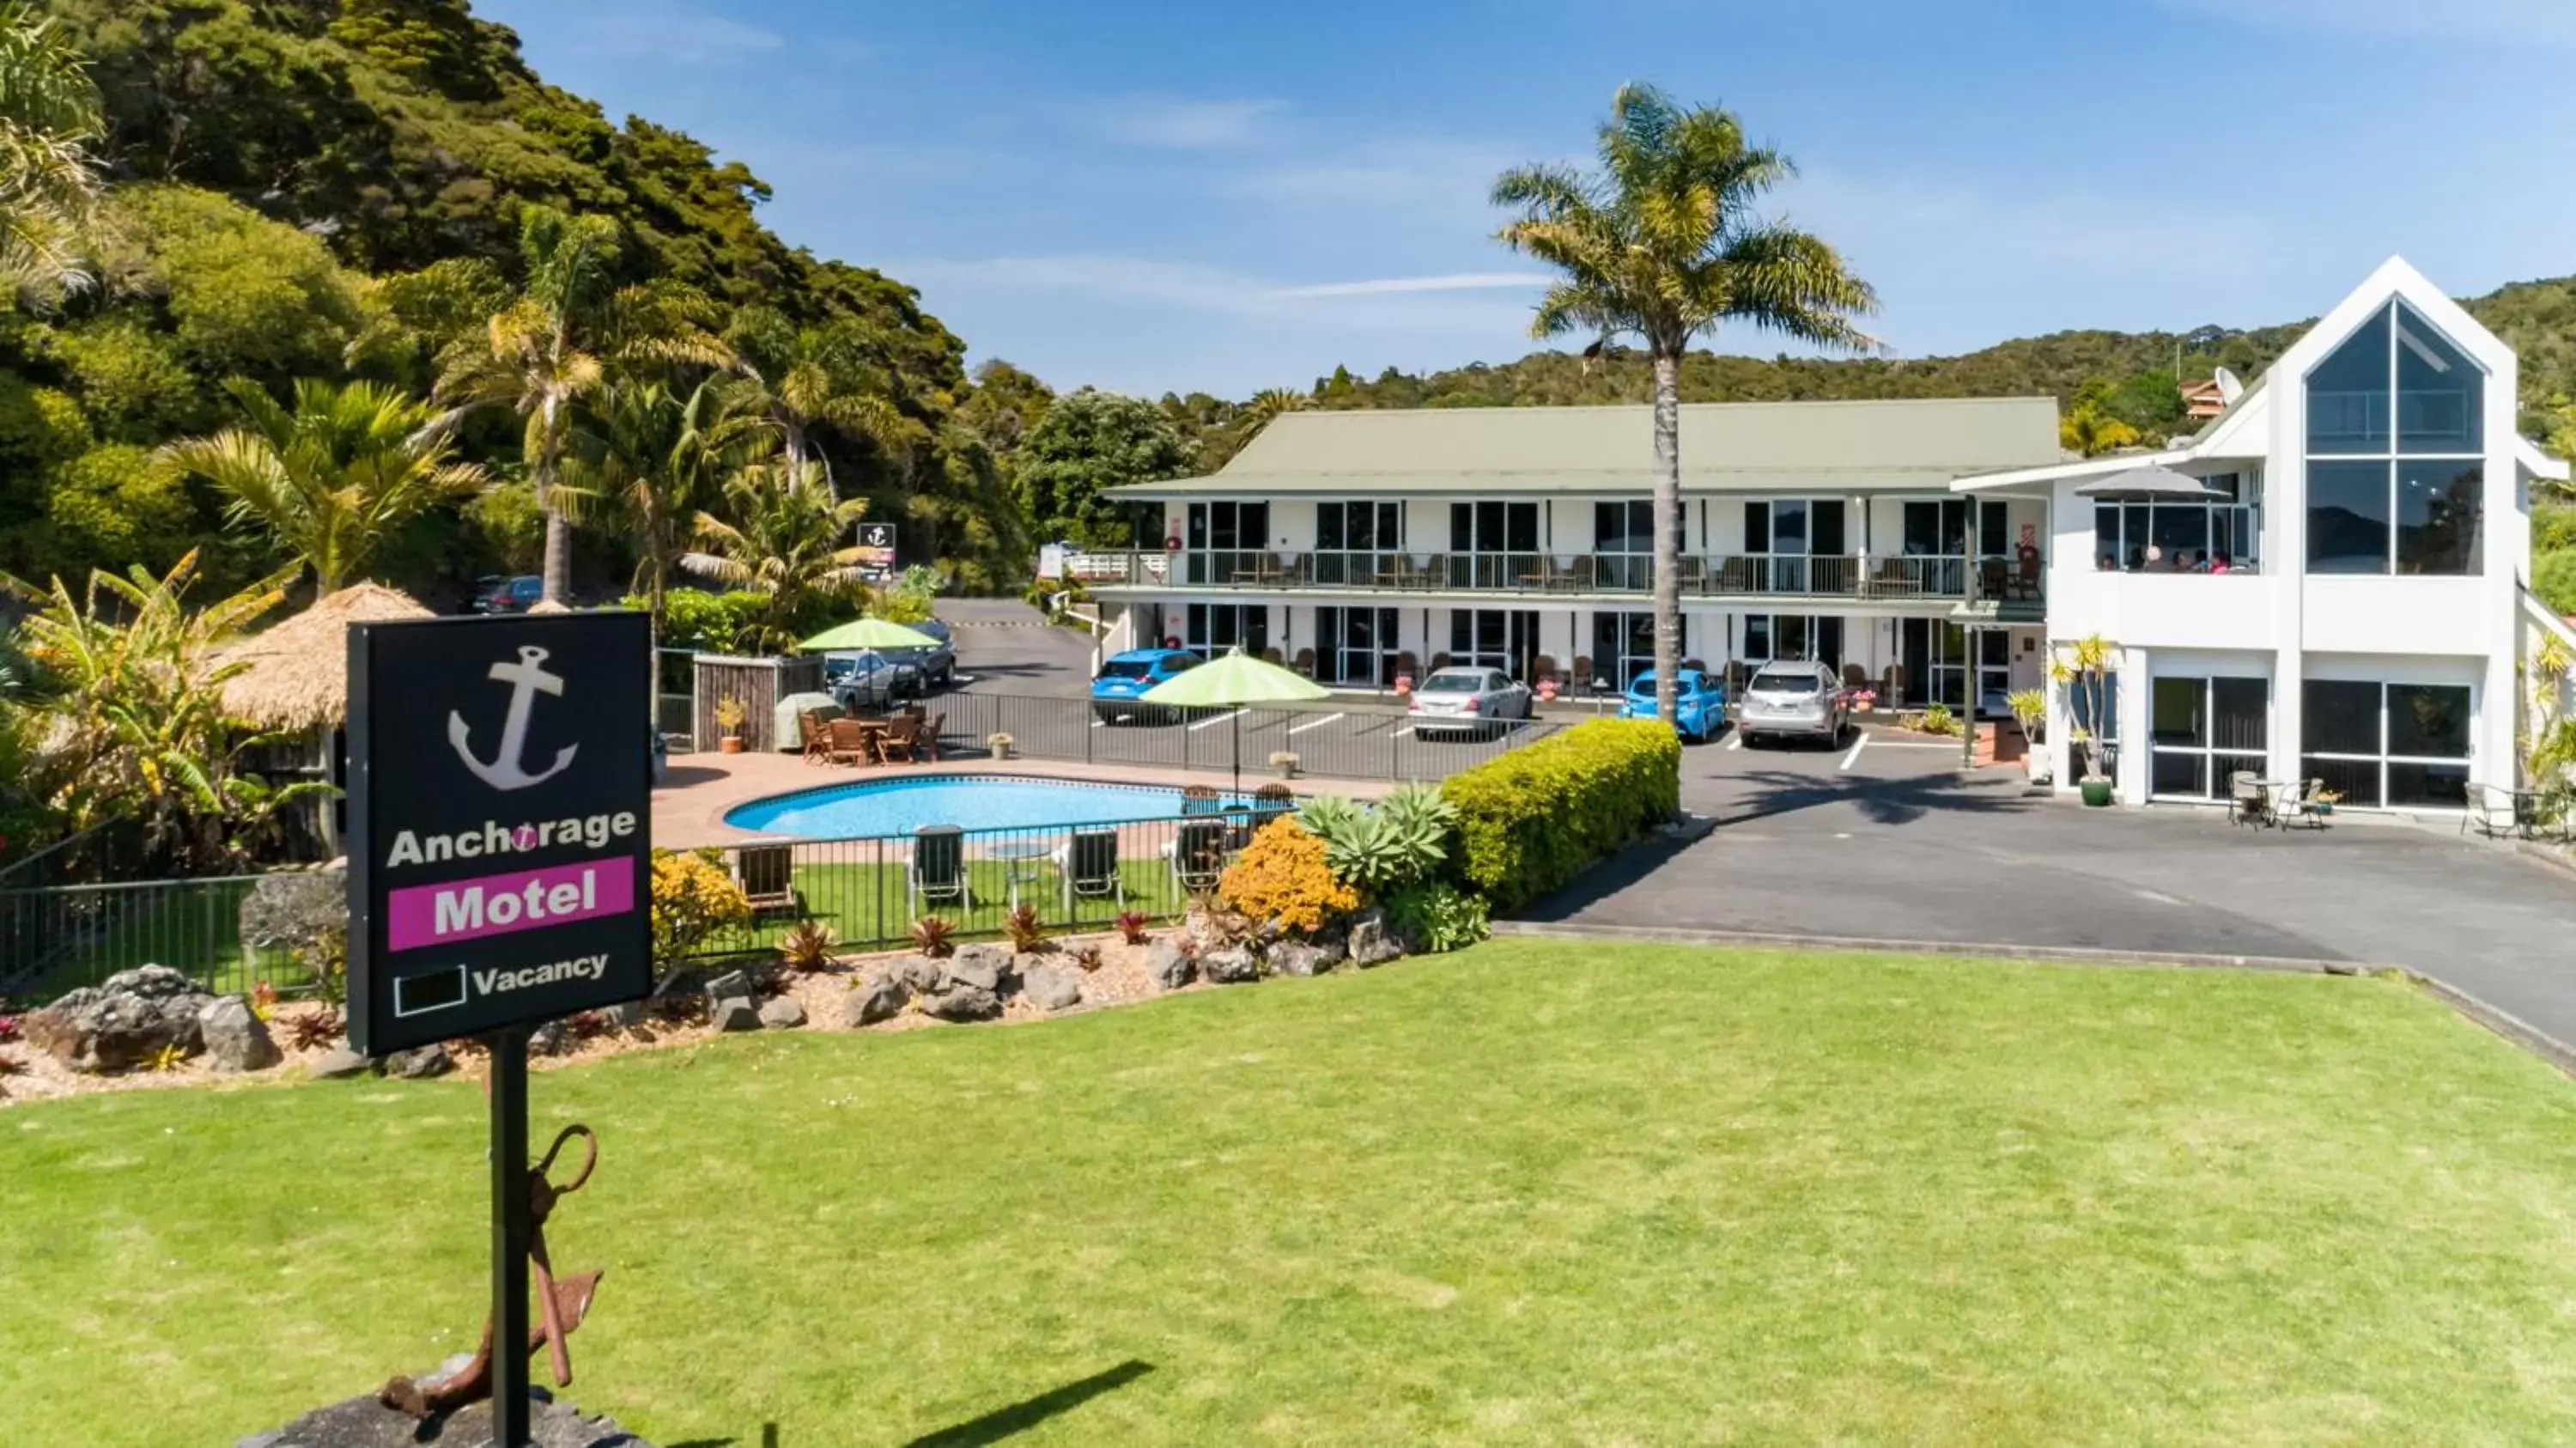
[1533, 819]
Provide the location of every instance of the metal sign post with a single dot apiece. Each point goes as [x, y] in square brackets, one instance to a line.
[500, 841]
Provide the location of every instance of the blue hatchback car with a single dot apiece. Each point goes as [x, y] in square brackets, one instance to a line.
[1699, 705]
[1125, 677]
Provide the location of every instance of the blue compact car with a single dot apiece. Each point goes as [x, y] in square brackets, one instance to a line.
[1699, 706]
[1126, 677]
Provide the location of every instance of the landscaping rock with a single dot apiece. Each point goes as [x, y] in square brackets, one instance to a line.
[961, 1002]
[420, 1063]
[340, 1063]
[123, 1023]
[733, 1013]
[236, 1039]
[1298, 957]
[1052, 987]
[1331, 949]
[781, 1014]
[627, 1015]
[1230, 965]
[919, 972]
[553, 1038]
[731, 983]
[1170, 965]
[881, 997]
[1372, 943]
[988, 966]
[365, 1423]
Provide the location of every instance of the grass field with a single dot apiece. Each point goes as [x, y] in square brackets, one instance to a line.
[1537, 1193]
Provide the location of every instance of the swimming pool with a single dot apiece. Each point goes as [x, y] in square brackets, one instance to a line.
[975, 801]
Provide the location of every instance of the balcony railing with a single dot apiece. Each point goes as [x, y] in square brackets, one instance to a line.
[1523, 574]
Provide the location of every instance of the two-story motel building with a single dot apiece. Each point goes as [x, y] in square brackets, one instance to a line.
[2327, 581]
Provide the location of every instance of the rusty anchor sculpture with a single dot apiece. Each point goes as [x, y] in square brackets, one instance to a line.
[560, 1305]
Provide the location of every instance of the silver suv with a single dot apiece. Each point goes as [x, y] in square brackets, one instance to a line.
[1793, 700]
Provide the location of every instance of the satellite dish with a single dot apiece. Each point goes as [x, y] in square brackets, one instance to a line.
[2229, 389]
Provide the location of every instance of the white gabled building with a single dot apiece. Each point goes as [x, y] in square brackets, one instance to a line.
[2341, 592]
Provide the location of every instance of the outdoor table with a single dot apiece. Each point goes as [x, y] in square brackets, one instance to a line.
[1016, 854]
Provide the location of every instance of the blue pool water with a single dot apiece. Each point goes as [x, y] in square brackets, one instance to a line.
[977, 802]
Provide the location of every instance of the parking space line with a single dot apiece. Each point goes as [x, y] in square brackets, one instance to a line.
[1854, 757]
[1219, 719]
[1314, 724]
[1407, 729]
[1735, 740]
[1099, 723]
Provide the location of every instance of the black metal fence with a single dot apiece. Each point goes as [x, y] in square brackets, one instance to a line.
[57, 938]
[1355, 743]
[1077, 878]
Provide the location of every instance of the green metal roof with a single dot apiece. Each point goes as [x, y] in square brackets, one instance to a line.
[1891, 444]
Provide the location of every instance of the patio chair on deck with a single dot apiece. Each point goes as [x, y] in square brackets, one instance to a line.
[818, 736]
[1991, 578]
[1199, 799]
[1735, 575]
[1892, 580]
[2297, 800]
[937, 869]
[2246, 804]
[2492, 811]
[1089, 864]
[1270, 802]
[850, 742]
[929, 740]
[1694, 574]
[902, 732]
[1196, 854]
[767, 876]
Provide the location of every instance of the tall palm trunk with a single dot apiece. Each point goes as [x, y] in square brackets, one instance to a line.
[558, 569]
[1668, 530]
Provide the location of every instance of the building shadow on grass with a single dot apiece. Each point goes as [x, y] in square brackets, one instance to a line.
[1880, 801]
[1021, 1416]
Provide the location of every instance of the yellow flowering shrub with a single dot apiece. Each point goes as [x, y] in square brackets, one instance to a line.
[1282, 877]
[694, 896]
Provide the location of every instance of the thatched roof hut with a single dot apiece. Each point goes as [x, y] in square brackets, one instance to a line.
[299, 670]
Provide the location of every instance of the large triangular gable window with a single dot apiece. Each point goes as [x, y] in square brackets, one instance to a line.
[2396, 440]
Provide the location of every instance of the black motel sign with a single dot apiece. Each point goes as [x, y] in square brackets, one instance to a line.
[500, 823]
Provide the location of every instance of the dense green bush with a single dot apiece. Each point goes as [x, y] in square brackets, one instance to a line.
[1531, 820]
[717, 623]
[1436, 916]
[2553, 579]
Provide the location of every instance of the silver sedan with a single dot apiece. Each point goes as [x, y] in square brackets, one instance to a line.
[1466, 701]
[1793, 701]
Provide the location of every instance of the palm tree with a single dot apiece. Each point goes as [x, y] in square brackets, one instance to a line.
[1270, 402]
[573, 322]
[1664, 243]
[659, 455]
[49, 116]
[789, 543]
[2088, 431]
[333, 478]
[815, 376]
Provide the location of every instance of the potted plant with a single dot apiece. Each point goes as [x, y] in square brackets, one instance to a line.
[2030, 711]
[1000, 743]
[1285, 762]
[2084, 670]
[2322, 799]
[729, 716]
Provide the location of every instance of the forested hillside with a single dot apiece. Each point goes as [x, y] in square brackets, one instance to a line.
[335, 188]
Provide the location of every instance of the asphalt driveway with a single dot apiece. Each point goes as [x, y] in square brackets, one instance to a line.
[1891, 843]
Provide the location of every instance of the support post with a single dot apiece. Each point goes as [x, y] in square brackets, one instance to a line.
[1968, 704]
[511, 1230]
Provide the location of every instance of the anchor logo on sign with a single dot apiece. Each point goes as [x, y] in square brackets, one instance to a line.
[526, 681]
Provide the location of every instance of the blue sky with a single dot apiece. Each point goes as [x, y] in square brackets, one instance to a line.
[1224, 197]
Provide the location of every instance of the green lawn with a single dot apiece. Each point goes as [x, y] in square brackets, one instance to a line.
[1538, 1193]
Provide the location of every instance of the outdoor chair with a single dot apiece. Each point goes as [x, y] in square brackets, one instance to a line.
[1735, 575]
[1089, 864]
[1891, 580]
[2246, 804]
[1893, 695]
[2026, 578]
[818, 737]
[902, 732]
[1305, 662]
[1694, 574]
[937, 869]
[1199, 799]
[2493, 811]
[2297, 801]
[1270, 802]
[850, 742]
[1196, 854]
[767, 876]
[1439, 661]
[928, 741]
[1855, 677]
[1990, 578]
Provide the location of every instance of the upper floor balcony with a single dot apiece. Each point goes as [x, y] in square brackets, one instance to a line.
[1991, 585]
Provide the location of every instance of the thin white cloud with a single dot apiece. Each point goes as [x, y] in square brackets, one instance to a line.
[2515, 22]
[1394, 303]
[2096, 230]
[1181, 125]
[1391, 286]
[673, 36]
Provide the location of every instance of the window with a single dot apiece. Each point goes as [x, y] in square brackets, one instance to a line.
[1225, 539]
[1623, 646]
[1492, 544]
[1494, 638]
[1623, 542]
[1786, 534]
[1355, 541]
[1214, 628]
[1769, 636]
[2202, 730]
[1355, 645]
[2169, 537]
[2396, 482]
[2395, 745]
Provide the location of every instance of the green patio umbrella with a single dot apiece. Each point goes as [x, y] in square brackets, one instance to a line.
[869, 633]
[1236, 680]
